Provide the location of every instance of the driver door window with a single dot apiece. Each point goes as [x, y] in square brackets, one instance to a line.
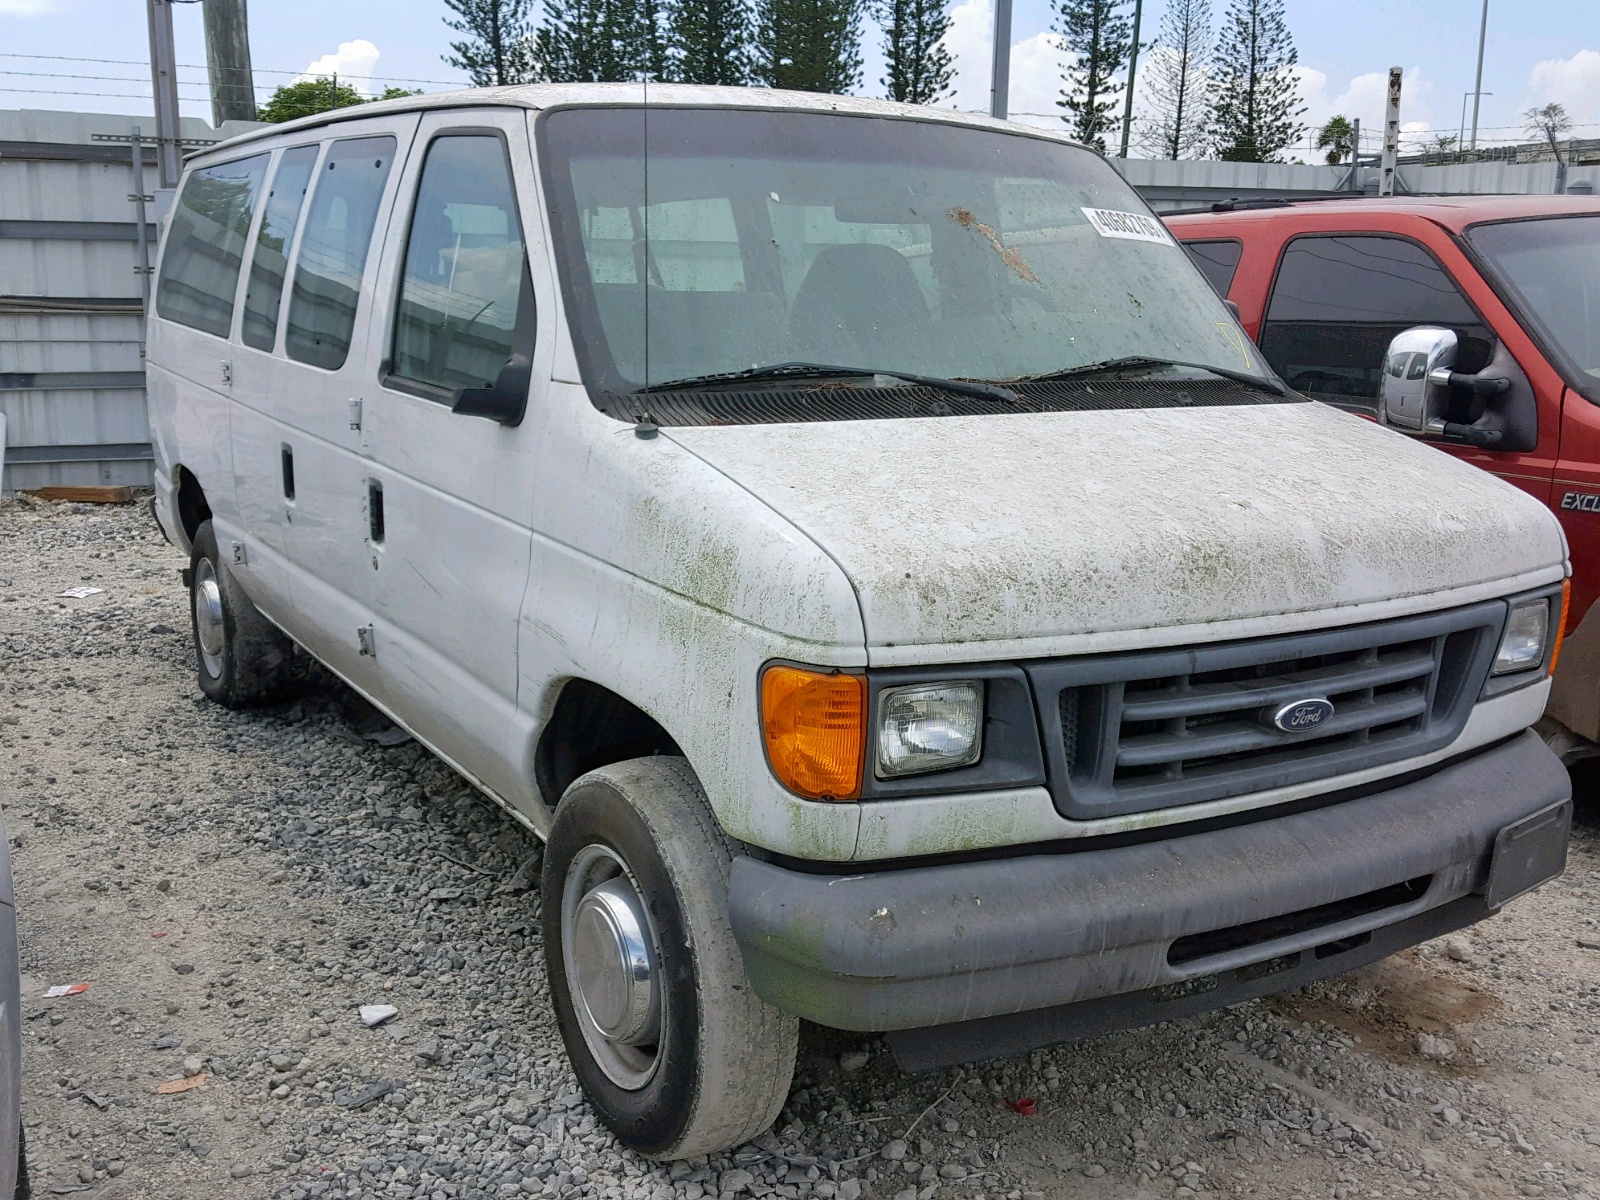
[1337, 302]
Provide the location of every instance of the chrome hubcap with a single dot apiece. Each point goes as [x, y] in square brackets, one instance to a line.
[609, 947]
[208, 617]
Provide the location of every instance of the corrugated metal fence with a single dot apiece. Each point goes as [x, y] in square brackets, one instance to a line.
[71, 308]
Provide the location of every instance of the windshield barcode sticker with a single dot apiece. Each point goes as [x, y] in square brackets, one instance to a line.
[1137, 227]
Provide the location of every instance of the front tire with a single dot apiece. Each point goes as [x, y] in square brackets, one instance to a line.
[674, 1049]
[243, 658]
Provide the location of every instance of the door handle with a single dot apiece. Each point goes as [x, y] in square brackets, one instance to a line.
[287, 459]
[375, 511]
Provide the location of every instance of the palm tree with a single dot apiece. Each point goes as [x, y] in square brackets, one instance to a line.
[1338, 138]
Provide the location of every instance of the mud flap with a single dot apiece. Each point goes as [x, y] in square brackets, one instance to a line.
[1528, 852]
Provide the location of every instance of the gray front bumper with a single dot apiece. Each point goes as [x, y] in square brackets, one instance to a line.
[936, 945]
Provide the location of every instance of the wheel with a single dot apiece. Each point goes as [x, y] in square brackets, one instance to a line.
[243, 658]
[23, 1189]
[674, 1049]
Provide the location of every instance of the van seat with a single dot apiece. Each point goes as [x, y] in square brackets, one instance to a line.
[691, 333]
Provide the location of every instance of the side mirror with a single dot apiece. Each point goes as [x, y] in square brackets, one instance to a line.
[1407, 397]
[1418, 378]
[505, 401]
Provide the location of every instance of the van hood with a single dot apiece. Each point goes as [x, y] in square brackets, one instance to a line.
[961, 531]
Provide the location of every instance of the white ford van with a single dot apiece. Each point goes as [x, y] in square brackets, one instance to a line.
[862, 545]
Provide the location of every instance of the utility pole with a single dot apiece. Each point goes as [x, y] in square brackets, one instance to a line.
[1391, 133]
[1477, 85]
[1133, 67]
[1000, 71]
[233, 91]
[164, 81]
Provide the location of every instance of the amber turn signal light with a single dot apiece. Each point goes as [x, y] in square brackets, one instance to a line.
[815, 724]
[1563, 626]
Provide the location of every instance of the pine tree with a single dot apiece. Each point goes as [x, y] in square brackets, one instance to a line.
[808, 45]
[1178, 82]
[919, 66]
[601, 41]
[1100, 36]
[711, 41]
[1253, 118]
[496, 50]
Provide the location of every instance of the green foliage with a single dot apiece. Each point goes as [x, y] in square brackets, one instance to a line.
[601, 41]
[1254, 118]
[919, 66]
[1100, 35]
[1178, 82]
[808, 45]
[307, 98]
[1338, 138]
[711, 41]
[496, 49]
[398, 93]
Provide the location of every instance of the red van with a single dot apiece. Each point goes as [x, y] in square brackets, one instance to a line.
[1473, 321]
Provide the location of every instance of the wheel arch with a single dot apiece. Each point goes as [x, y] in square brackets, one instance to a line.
[592, 726]
[192, 506]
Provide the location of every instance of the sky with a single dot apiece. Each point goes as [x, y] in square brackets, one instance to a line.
[1538, 51]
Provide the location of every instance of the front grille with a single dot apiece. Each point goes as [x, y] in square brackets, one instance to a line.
[1138, 732]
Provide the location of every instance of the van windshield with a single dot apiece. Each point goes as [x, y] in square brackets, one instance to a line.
[1550, 270]
[750, 238]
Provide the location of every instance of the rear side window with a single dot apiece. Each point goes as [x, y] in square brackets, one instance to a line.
[205, 245]
[263, 296]
[1339, 300]
[1217, 262]
[462, 288]
[333, 250]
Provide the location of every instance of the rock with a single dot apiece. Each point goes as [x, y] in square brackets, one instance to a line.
[116, 1167]
[952, 1171]
[909, 1193]
[282, 1062]
[1458, 948]
[193, 1065]
[173, 1008]
[850, 1189]
[239, 1170]
[1435, 1048]
[521, 1135]
[894, 1150]
[1450, 1115]
[1094, 1171]
[183, 968]
[164, 885]
[281, 1092]
[734, 1181]
[950, 1125]
[1179, 1112]
[852, 1061]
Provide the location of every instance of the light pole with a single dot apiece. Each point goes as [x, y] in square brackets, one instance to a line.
[1461, 133]
[1000, 71]
[1133, 67]
[1477, 84]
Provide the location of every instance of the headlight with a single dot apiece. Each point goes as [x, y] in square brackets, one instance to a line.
[929, 727]
[1522, 646]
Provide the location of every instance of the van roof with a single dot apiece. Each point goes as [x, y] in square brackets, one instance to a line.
[676, 95]
[1454, 213]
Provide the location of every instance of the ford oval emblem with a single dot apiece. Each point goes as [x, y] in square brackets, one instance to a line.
[1301, 716]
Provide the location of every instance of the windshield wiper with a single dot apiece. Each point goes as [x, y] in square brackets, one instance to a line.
[1138, 362]
[808, 370]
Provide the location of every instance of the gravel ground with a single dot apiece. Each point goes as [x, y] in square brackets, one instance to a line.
[232, 887]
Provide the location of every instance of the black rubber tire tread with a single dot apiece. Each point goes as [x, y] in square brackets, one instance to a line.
[24, 1187]
[256, 656]
[744, 1048]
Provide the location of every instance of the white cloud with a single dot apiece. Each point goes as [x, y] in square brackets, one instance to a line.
[353, 63]
[1571, 82]
[26, 8]
[1365, 99]
[1036, 65]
